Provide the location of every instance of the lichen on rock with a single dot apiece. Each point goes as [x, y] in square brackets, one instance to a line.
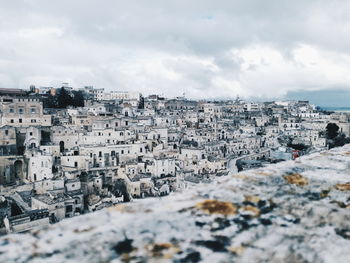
[217, 207]
[296, 179]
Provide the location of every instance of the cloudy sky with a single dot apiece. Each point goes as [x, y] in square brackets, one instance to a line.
[203, 48]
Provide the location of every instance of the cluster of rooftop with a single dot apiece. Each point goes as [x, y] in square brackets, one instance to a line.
[116, 147]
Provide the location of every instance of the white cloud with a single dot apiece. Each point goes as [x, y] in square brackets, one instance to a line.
[203, 48]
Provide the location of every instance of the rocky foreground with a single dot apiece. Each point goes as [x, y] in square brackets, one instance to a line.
[296, 211]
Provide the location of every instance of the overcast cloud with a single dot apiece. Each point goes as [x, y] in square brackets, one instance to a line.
[206, 49]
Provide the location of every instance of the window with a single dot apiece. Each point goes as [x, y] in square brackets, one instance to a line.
[21, 110]
[20, 120]
[31, 134]
[32, 110]
[12, 121]
[11, 110]
[75, 165]
[6, 132]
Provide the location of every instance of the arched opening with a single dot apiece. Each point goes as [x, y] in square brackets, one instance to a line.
[18, 169]
[61, 146]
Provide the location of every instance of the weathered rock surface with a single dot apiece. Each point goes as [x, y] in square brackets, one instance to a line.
[296, 211]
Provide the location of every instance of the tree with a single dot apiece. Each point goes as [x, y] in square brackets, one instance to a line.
[64, 99]
[78, 99]
[339, 140]
[334, 137]
[332, 130]
[298, 146]
[51, 102]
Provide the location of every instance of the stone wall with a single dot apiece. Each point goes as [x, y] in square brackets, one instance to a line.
[295, 211]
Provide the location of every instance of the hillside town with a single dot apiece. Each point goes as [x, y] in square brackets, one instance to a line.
[67, 151]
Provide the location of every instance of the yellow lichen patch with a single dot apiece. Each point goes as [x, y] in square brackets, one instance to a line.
[119, 208]
[251, 198]
[239, 250]
[244, 177]
[128, 209]
[217, 207]
[296, 179]
[82, 230]
[125, 257]
[164, 250]
[324, 193]
[252, 209]
[343, 187]
[263, 173]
